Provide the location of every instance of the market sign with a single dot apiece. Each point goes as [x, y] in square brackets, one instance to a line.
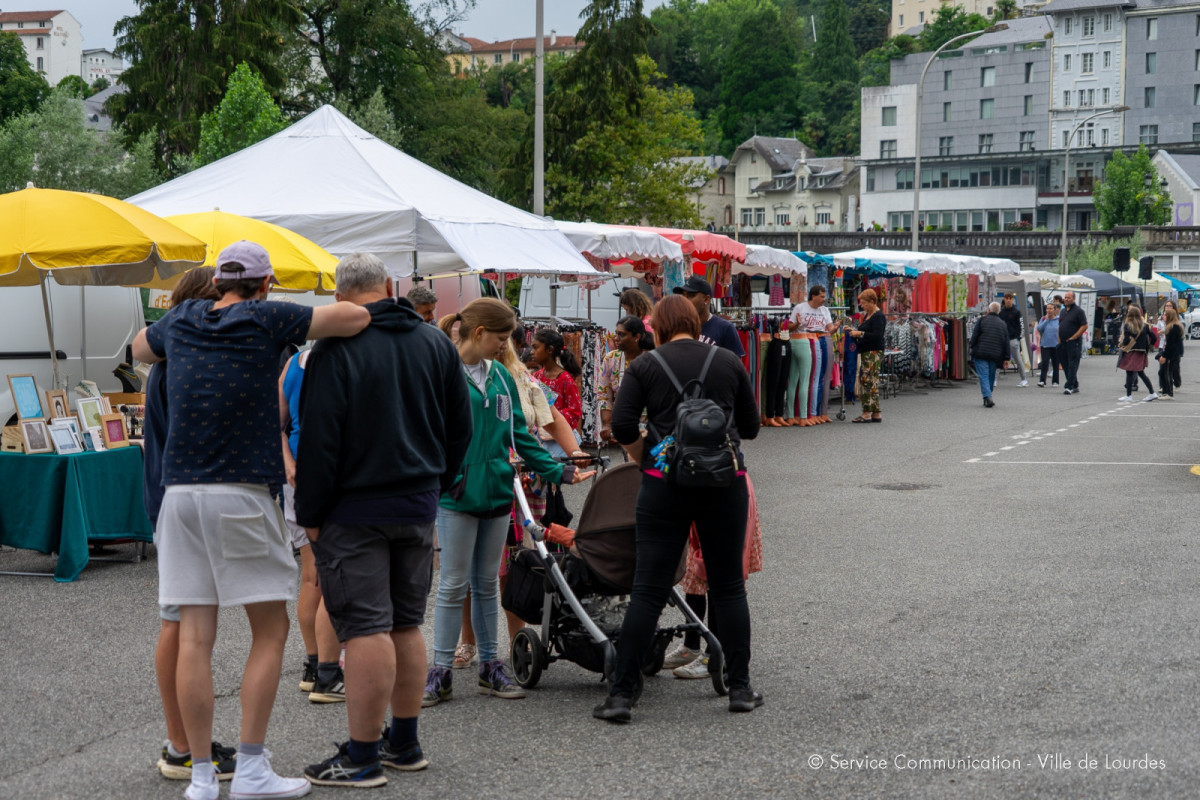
[155, 304]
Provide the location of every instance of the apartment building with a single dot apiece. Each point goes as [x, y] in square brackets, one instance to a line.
[100, 63]
[907, 14]
[53, 41]
[467, 54]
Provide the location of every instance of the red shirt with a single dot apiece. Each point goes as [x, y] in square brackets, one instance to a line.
[567, 402]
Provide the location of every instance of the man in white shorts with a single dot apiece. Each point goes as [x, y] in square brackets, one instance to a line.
[221, 539]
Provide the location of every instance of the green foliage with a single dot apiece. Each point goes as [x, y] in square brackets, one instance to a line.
[868, 27]
[610, 65]
[877, 64]
[52, 148]
[73, 85]
[512, 292]
[21, 89]
[100, 85]
[759, 83]
[1097, 254]
[1122, 197]
[1005, 9]
[950, 21]
[246, 115]
[833, 55]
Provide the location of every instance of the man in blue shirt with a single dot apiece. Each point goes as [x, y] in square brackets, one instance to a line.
[713, 329]
[221, 540]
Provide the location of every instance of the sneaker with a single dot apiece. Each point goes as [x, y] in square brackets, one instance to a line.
[465, 655]
[680, 657]
[340, 770]
[332, 692]
[309, 677]
[1023, 384]
[1149, 397]
[743, 700]
[438, 687]
[1166, 397]
[1041, 384]
[255, 780]
[615, 708]
[495, 681]
[1067, 391]
[1054, 383]
[408, 759]
[179, 768]
[696, 669]
[1125, 399]
[199, 791]
[989, 402]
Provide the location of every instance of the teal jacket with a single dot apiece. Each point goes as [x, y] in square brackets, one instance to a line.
[485, 481]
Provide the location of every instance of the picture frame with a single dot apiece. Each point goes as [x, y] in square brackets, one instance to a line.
[65, 442]
[36, 436]
[26, 398]
[71, 422]
[57, 405]
[92, 441]
[90, 409]
[113, 431]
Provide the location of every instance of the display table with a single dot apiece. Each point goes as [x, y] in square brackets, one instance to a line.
[57, 504]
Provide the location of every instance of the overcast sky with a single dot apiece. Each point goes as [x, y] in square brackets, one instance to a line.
[491, 20]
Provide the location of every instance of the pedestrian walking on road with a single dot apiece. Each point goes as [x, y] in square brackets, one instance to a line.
[1047, 329]
[1136, 340]
[1170, 354]
[989, 348]
[1014, 319]
[1072, 325]
[222, 540]
[385, 424]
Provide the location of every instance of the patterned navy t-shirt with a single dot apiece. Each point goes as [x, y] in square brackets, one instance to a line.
[222, 388]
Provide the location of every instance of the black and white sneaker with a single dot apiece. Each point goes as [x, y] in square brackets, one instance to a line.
[407, 759]
[309, 677]
[340, 770]
[332, 692]
[179, 768]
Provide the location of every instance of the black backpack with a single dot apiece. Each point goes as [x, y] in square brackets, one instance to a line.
[702, 456]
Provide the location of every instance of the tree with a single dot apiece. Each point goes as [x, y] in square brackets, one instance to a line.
[877, 64]
[100, 85]
[181, 54]
[868, 27]
[950, 21]
[74, 86]
[21, 89]
[1005, 9]
[52, 148]
[246, 115]
[759, 85]
[1130, 193]
[833, 55]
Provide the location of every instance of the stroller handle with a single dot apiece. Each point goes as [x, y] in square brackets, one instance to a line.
[532, 528]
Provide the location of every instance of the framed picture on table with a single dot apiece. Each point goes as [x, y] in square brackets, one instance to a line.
[113, 431]
[90, 410]
[65, 442]
[26, 397]
[36, 436]
[57, 406]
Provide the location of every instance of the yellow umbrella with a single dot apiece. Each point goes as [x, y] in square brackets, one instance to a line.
[88, 240]
[299, 264]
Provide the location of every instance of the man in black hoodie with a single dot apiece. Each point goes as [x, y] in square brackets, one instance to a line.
[385, 422]
[989, 348]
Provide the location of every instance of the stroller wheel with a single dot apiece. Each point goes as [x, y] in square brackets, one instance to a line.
[841, 415]
[527, 658]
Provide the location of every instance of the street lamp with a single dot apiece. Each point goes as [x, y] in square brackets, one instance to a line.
[920, 95]
[1062, 255]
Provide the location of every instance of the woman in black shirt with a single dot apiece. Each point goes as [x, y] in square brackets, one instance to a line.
[666, 512]
[870, 354]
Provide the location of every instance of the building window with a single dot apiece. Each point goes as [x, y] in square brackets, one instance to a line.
[1026, 143]
[1151, 63]
[987, 76]
[1152, 29]
[904, 178]
[41, 64]
[1089, 26]
[945, 145]
[870, 179]
[498, 58]
[1066, 62]
[1108, 23]
[752, 182]
[920, 17]
[901, 20]
[1087, 98]
[721, 185]
[760, 216]
[1103, 137]
[1148, 134]
[1196, 94]
[887, 148]
[1090, 135]
[747, 217]
[945, 112]
[1150, 97]
[40, 43]
[985, 143]
[947, 80]
[1066, 139]
[20, 24]
[1029, 72]
[1066, 98]
[1105, 93]
[516, 58]
[889, 116]
[783, 218]
[1198, 60]
[1067, 25]
[987, 109]
[1107, 59]
[1196, 131]
[1087, 63]
[823, 217]
[1029, 105]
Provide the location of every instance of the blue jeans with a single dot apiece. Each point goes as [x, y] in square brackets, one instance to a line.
[986, 370]
[471, 553]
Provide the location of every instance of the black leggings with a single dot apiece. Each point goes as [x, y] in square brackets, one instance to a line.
[1168, 377]
[664, 517]
[1131, 379]
[779, 358]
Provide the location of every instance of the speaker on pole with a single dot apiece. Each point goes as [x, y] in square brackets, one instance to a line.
[1145, 268]
[1121, 259]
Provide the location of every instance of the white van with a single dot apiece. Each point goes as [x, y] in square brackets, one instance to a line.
[93, 326]
[572, 302]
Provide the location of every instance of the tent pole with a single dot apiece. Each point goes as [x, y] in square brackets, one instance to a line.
[83, 332]
[49, 328]
[539, 117]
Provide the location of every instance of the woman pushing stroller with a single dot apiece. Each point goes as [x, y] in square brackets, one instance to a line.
[666, 511]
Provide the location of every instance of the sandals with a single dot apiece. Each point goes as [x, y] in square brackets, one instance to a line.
[862, 419]
[464, 655]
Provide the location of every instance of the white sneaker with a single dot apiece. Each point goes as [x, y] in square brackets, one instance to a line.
[1166, 397]
[254, 779]
[1023, 383]
[198, 791]
[696, 669]
[1125, 399]
[1149, 397]
[680, 657]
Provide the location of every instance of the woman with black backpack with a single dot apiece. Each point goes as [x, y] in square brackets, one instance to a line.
[698, 480]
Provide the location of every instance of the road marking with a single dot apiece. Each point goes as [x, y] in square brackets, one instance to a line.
[1021, 443]
[1195, 470]
[1076, 425]
[1099, 464]
[1009, 447]
[990, 454]
[1165, 416]
[973, 461]
[1050, 434]
[1061, 430]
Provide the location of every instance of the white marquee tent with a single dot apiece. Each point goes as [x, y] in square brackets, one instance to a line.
[329, 180]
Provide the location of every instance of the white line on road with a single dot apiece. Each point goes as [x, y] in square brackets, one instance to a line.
[990, 454]
[1009, 447]
[1165, 416]
[1091, 463]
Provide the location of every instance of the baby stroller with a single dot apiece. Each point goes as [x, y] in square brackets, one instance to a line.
[576, 597]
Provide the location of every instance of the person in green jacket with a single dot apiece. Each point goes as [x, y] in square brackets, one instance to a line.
[473, 516]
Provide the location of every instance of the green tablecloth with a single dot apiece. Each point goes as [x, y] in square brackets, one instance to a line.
[55, 504]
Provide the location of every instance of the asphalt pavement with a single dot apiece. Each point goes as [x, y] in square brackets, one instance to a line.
[959, 602]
